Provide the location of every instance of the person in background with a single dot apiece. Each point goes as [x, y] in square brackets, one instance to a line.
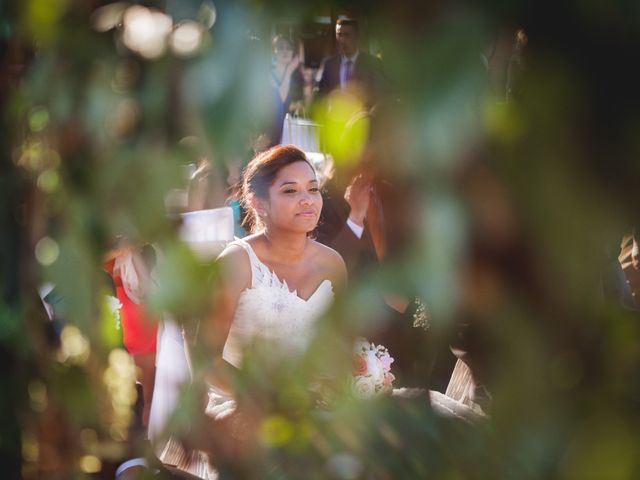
[352, 68]
[369, 216]
[206, 187]
[287, 83]
[276, 284]
[130, 268]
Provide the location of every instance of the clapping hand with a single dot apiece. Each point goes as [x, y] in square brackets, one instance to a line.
[358, 196]
[293, 64]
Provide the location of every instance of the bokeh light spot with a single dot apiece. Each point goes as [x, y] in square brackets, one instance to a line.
[119, 378]
[108, 17]
[90, 464]
[503, 122]
[47, 251]
[145, 31]
[346, 126]
[186, 38]
[49, 180]
[30, 448]
[38, 119]
[37, 395]
[43, 17]
[207, 15]
[276, 431]
[75, 347]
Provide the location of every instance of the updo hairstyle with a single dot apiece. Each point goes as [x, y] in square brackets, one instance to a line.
[260, 174]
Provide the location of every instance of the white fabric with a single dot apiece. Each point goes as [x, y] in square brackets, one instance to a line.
[220, 405]
[134, 462]
[207, 231]
[355, 228]
[172, 373]
[300, 132]
[271, 312]
[125, 266]
[44, 290]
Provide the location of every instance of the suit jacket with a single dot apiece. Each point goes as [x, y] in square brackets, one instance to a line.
[414, 351]
[333, 231]
[367, 70]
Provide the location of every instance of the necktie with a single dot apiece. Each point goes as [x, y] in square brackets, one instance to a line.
[348, 67]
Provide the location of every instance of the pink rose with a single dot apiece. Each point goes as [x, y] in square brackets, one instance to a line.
[388, 380]
[359, 365]
[386, 360]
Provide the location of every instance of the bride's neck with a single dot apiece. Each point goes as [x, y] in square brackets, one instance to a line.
[286, 246]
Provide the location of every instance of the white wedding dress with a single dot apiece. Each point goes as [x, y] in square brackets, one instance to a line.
[271, 313]
[268, 312]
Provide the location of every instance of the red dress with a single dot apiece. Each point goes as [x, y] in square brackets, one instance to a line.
[139, 329]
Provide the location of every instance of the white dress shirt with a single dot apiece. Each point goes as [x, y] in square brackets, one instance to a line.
[355, 228]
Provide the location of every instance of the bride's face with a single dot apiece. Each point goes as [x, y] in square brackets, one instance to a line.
[294, 200]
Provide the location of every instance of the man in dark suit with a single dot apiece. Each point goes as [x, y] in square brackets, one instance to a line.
[352, 67]
[342, 222]
[361, 220]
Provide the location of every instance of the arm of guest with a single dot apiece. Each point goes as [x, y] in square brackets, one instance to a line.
[342, 227]
[285, 87]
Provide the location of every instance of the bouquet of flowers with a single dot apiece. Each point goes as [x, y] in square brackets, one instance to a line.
[371, 370]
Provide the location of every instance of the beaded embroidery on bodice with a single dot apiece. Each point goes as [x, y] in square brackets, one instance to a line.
[269, 311]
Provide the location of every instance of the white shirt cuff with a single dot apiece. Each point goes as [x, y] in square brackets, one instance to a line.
[355, 228]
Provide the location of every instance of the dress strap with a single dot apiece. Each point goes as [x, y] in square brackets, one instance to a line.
[260, 273]
[258, 269]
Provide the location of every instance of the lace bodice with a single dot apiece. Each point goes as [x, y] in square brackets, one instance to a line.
[269, 311]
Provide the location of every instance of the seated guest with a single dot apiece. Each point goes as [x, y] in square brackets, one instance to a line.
[368, 217]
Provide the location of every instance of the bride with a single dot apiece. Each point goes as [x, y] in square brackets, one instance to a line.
[278, 280]
[275, 283]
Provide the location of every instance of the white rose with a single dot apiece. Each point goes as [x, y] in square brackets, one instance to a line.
[361, 345]
[363, 387]
[374, 368]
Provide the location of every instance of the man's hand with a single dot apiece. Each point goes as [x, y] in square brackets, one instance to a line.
[358, 196]
[293, 65]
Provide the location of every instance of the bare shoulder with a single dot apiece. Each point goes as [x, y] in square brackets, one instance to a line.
[235, 266]
[332, 262]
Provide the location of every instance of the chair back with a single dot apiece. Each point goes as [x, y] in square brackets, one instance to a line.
[207, 231]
